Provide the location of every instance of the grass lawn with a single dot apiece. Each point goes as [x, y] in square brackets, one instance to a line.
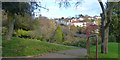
[27, 47]
[112, 51]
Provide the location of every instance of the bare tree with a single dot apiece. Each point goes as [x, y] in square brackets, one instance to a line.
[105, 21]
[47, 28]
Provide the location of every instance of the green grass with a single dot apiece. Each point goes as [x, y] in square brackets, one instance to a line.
[27, 47]
[112, 51]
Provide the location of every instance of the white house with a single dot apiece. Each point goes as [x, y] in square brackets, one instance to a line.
[81, 19]
[98, 17]
[79, 23]
[75, 19]
[90, 18]
[65, 22]
[76, 22]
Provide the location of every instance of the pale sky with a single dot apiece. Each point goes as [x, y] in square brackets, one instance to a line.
[87, 7]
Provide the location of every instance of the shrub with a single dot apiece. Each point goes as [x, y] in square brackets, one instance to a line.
[31, 34]
[81, 43]
[28, 34]
[22, 33]
[68, 42]
[112, 38]
[4, 29]
[39, 37]
[78, 43]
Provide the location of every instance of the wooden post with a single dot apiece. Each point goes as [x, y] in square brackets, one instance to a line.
[89, 45]
[96, 47]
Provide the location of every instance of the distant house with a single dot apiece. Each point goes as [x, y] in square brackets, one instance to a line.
[79, 23]
[75, 19]
[81, 19]
[98, 17]
[90, 18]
[65, 21]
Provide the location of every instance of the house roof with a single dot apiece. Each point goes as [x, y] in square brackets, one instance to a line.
[77, 21]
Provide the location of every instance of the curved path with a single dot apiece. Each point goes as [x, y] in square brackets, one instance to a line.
[73, 53]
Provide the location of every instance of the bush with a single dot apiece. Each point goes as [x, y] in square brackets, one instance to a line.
[39, 37]
[22, 33]
[4, 29]
[112, 38]
[28, 34]
[68, 42]
[78, 43]
[81, 43]
[31, 34]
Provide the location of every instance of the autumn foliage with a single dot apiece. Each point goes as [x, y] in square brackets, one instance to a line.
[91, 29]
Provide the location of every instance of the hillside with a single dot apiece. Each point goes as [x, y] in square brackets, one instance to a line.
[27, 47]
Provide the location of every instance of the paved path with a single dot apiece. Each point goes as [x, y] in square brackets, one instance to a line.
[73, 53]
[65, 45]
[81, 35]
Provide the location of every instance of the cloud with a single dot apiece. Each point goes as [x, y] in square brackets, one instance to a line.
[81, 8]
[53, 7]
[87, 7]
[57, 1]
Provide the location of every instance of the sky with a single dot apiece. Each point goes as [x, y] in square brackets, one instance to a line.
[87, 7]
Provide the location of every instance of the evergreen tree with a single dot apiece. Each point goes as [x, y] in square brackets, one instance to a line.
[58, 36]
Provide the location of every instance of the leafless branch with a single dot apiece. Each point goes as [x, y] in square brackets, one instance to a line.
[42, 7]
[110, 9]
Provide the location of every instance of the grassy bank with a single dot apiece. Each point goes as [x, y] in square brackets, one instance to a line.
[112, 51]
[27, 47]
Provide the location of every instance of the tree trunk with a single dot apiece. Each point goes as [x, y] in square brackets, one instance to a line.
[106, 20]
[102, 45]
[106, 41]
[102, 33]
[10, 26]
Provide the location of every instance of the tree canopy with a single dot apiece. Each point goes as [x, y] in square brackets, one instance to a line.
[19, 8]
